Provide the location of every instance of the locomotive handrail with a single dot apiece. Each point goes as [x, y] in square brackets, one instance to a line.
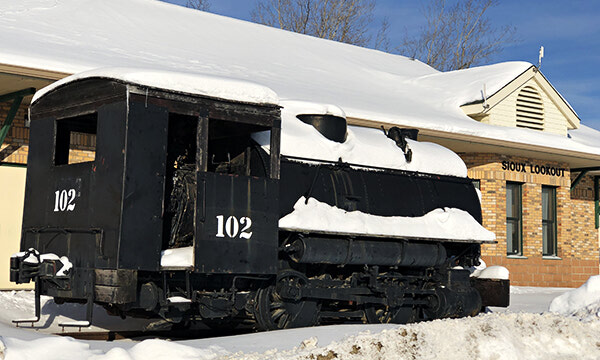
[384, 236]
[58, 230]
[312, 184]
[63, 230]
[340, 163]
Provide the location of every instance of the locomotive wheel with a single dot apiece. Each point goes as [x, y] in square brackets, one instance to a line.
[273, 312]
[381, 314]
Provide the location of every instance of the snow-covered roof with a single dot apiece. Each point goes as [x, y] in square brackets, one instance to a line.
[78, 35]
[586, 135]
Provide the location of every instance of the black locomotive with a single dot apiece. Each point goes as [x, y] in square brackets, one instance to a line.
[179, 173]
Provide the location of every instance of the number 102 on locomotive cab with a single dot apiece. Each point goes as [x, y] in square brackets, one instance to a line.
[230, 227]
[64, 200]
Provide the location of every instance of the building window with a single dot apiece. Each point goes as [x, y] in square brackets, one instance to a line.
[549, 220]
[513, 219]
[476, 183]
[530, 109]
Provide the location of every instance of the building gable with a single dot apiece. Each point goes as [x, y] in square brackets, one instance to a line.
[529, 101]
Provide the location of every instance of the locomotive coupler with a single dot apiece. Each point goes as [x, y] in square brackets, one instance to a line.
[24, 266]
[31, 265]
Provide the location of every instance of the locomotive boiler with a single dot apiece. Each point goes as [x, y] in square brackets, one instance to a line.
[208, 199]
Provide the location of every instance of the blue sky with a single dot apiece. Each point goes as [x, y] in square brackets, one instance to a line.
[569, 30]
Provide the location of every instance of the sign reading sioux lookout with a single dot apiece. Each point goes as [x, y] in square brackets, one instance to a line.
[533, 169]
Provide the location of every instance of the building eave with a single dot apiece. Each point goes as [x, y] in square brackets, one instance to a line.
[469, 143]
[32, 72]
[16, 78]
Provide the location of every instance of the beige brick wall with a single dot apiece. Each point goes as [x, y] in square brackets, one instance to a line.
[577, 238]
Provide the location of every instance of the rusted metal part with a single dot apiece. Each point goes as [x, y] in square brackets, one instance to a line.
[494, 292]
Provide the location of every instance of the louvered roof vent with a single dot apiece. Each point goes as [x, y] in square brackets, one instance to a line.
[530, 109]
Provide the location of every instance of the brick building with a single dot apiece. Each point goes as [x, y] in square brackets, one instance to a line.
[541, 206]
[554, 242]
[541, 201]
[536, 166]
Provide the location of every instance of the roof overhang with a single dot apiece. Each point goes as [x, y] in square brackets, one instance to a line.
[16, 78]
[480, 108]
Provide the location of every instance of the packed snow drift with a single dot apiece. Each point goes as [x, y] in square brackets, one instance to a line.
[582, 303]
[446, 223]
[493, 336]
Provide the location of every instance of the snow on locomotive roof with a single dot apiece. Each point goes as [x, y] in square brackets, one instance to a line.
[454, 224]
[189, 83]
[363, 146]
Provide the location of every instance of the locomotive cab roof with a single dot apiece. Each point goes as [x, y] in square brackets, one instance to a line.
[105, 85]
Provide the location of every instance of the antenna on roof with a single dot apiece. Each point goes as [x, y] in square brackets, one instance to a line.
[541, 56]
[485, 104]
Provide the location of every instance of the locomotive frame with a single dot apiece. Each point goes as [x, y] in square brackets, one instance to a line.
[112, 217]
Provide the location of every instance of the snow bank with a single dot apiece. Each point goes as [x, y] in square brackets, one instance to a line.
[363, 146]
[445, 223]
[177, 258]
[490, 336]
[60, 348]
[190, 83]
[495, 336]
[583, 302]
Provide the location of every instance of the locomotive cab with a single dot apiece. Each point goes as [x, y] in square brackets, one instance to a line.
[138, 179]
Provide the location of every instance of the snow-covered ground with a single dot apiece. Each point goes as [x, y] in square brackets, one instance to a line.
[526, 330]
